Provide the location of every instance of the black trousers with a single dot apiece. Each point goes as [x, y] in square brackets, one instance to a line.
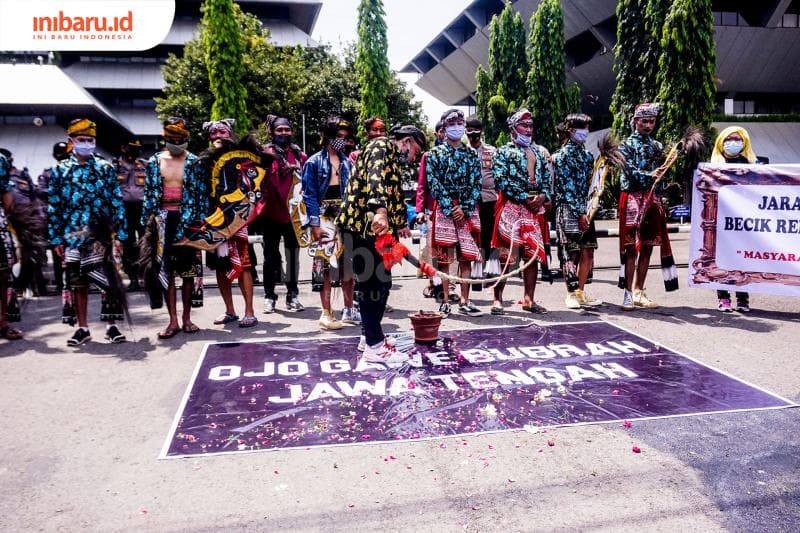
[373, 283]
[273, 262]
[130, 246]
[486, 214]
[741, 297]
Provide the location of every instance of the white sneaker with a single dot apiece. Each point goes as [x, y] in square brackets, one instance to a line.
[327, 321]
[362, 343]
[586, 300]
[627, 301]
[640, 299]
[384, 353]
[571, 301]
[269, 306]
[350, 315]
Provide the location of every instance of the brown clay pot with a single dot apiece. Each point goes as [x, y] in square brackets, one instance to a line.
[426, 326]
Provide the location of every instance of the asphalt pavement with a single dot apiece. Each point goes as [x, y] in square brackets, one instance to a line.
[82, 430]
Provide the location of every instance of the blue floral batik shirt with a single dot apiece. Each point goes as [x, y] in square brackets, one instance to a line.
[454, 177]
[643, 155]
[572, 166]
[80, 196]
[5, 169]
[194, 197]
[510, 166]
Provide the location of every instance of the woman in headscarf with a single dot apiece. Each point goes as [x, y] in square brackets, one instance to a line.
[733, 146]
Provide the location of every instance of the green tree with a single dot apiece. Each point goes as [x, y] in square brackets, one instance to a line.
[292, 82]
[372, 62]
[686, 68]
[224, 51]
[573, 99]
[547, 95]
[508, 63]
[484, 90]
[636, 57]
[508, 66]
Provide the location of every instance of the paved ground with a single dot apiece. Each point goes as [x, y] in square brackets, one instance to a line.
[82, 429]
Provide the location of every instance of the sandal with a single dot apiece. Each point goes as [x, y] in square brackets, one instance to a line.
[535, 308]
[189, 327]
[168, 333]
[225, 318]
[248, 321]
[10, 334]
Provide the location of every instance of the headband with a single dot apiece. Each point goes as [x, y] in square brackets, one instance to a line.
[176, 130]
[646, 110]
[521, 115]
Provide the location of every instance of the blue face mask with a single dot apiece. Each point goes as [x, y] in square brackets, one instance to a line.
[454, 133]
[733, 148]
[282, 140]
[523, 140]
[580, 135]
[84, 149]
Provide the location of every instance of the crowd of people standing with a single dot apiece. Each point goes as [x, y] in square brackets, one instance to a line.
[486, 211]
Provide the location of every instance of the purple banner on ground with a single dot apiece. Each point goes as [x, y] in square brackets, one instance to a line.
[311, 392]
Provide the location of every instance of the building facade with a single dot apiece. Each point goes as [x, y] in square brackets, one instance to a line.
[757, 45]
[115, 89]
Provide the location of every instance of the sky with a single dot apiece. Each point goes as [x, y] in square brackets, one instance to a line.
[411, 25]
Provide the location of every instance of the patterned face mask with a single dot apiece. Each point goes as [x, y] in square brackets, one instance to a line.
[338, 144]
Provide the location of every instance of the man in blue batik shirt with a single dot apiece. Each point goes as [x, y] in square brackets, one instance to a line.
[85, 201]
[453, 172]
[641, 228]
[524, 182]
[7, 255]
[572, 166]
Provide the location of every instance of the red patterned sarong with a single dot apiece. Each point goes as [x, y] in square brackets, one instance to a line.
[641, 224]
[516, 226]
[448, 233]
[637, 228]
[239, 253]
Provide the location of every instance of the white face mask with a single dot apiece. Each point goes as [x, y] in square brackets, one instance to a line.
[176, 149]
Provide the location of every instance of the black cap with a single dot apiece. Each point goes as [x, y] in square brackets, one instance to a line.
[474, 123]
[413, 132]
[6, 152]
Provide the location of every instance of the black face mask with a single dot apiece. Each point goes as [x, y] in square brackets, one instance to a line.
[476, 136]
[133, 153]
[403, 157]
[282, 140]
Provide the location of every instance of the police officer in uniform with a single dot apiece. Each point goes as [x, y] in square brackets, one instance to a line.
[130, 170]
